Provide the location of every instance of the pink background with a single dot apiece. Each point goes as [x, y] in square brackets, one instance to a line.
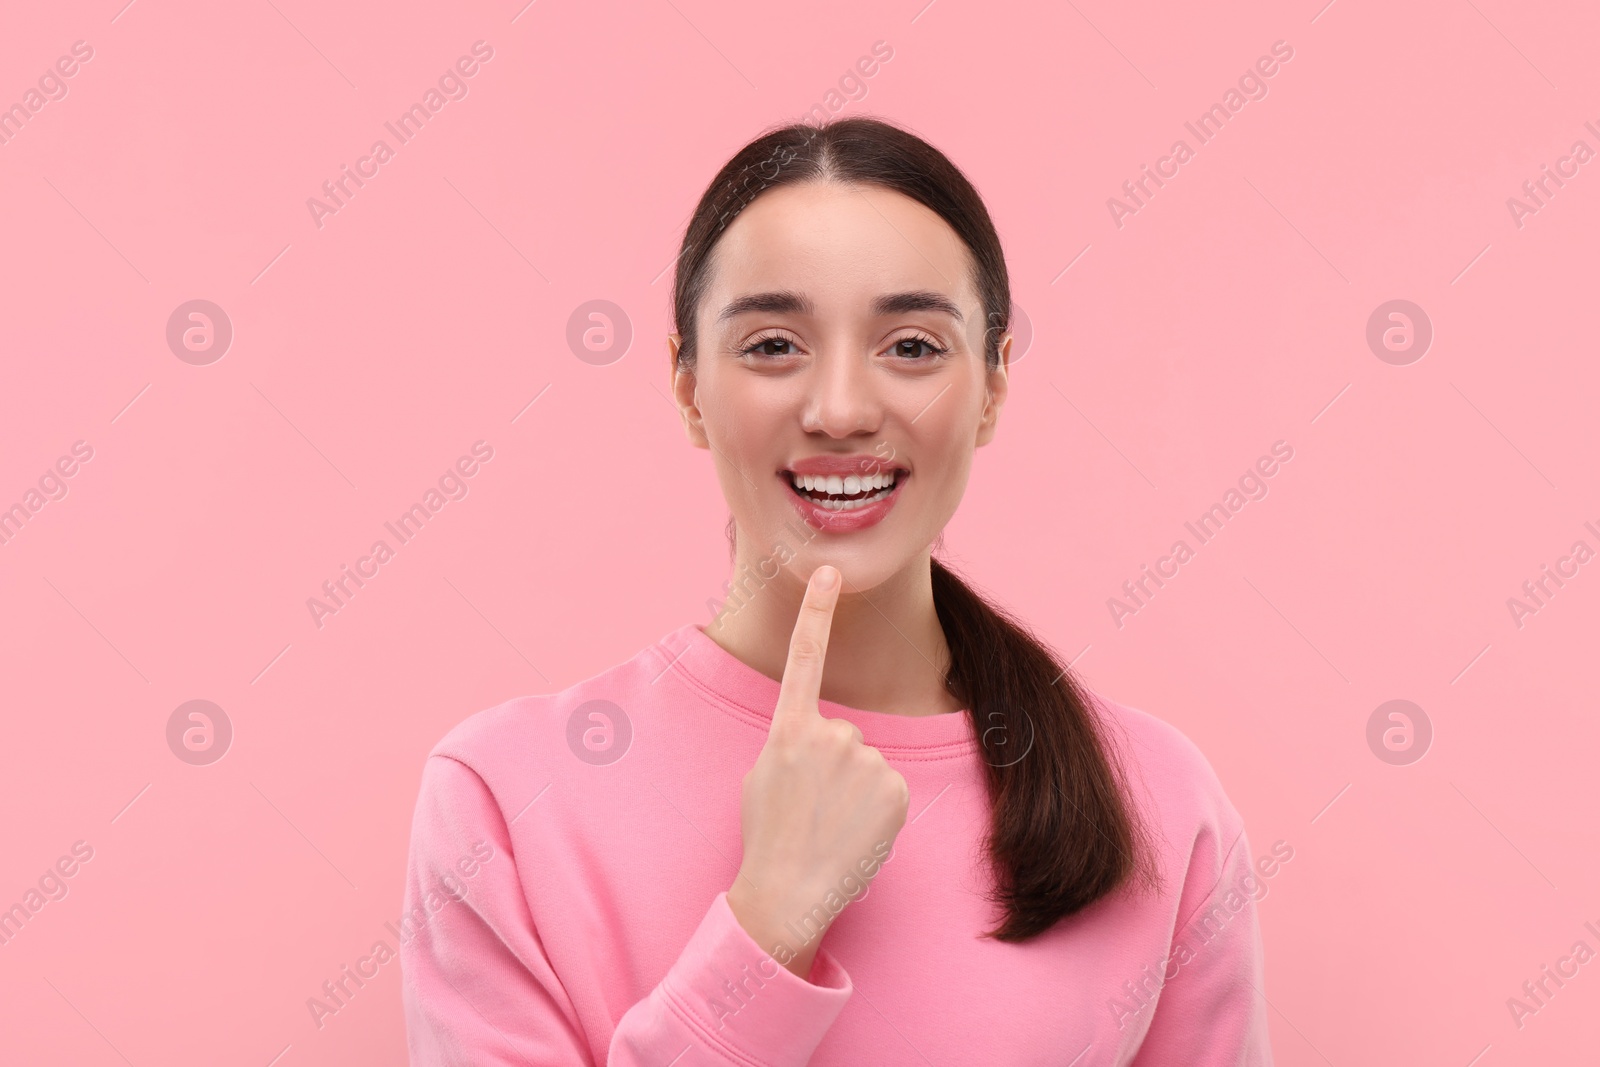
[368, 354]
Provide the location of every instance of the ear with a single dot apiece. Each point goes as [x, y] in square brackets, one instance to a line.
[683, 394]
[998, 386]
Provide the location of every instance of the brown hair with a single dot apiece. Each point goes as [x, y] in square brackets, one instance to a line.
[1063, 832]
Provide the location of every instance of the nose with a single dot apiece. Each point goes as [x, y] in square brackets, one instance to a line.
[842, 397]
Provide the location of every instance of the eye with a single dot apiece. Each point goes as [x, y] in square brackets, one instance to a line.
[769, 345]
[910, 348]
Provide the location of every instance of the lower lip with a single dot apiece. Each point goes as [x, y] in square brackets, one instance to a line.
[831, 521]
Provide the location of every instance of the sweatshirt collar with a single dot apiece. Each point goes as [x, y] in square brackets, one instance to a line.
[750, 696]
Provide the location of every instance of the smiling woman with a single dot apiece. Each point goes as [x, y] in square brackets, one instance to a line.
[677, 900]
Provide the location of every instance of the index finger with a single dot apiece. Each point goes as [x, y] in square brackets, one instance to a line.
[808, 648]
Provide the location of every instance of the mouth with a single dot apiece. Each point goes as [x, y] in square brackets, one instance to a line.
[846, 493]
[845, 501]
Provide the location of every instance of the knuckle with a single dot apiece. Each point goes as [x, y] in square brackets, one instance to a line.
[898, 790]
[785, 737]
[805, 650]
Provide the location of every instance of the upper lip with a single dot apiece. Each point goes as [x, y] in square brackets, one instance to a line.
[832, 463]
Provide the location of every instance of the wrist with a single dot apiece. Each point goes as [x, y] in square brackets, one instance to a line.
[769, 924]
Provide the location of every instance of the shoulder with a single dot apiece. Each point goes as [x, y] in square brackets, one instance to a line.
[524, 734]
[1162, 762]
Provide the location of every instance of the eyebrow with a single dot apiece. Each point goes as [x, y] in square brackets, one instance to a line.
[787, 301]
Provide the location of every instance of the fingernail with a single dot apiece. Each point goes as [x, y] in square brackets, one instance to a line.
[826, 577]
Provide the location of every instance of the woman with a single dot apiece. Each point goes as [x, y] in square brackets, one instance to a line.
[862, 816]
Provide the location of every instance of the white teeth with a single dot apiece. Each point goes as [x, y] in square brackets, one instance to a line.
[877, 486]
[851, 505]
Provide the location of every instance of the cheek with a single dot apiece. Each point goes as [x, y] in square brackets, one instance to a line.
[941, 450]
[945, 481]
[743, 418]
[745, 426]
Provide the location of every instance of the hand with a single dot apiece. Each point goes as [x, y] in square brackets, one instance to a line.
[818, 805]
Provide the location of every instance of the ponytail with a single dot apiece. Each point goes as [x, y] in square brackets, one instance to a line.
[1062, 831]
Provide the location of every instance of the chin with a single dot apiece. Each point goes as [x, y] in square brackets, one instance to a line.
[864, 568]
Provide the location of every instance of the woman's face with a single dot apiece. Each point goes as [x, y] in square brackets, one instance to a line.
[840, 327]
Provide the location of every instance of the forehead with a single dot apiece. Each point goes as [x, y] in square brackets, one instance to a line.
[840, 244]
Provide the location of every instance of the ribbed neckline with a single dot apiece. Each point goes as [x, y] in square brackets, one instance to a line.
[750, 696]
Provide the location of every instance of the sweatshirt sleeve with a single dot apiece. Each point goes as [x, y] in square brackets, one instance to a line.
[479, 990]
[1210, 1012]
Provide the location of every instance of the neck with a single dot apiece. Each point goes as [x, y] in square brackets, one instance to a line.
[886, 649]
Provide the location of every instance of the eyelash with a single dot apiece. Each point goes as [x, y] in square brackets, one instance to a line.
[938, 352]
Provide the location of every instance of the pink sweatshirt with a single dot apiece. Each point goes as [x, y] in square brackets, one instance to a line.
[566, 899]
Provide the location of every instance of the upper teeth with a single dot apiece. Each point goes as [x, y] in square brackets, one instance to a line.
[850, 483]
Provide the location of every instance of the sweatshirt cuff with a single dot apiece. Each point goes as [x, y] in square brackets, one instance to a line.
[743, 1002]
